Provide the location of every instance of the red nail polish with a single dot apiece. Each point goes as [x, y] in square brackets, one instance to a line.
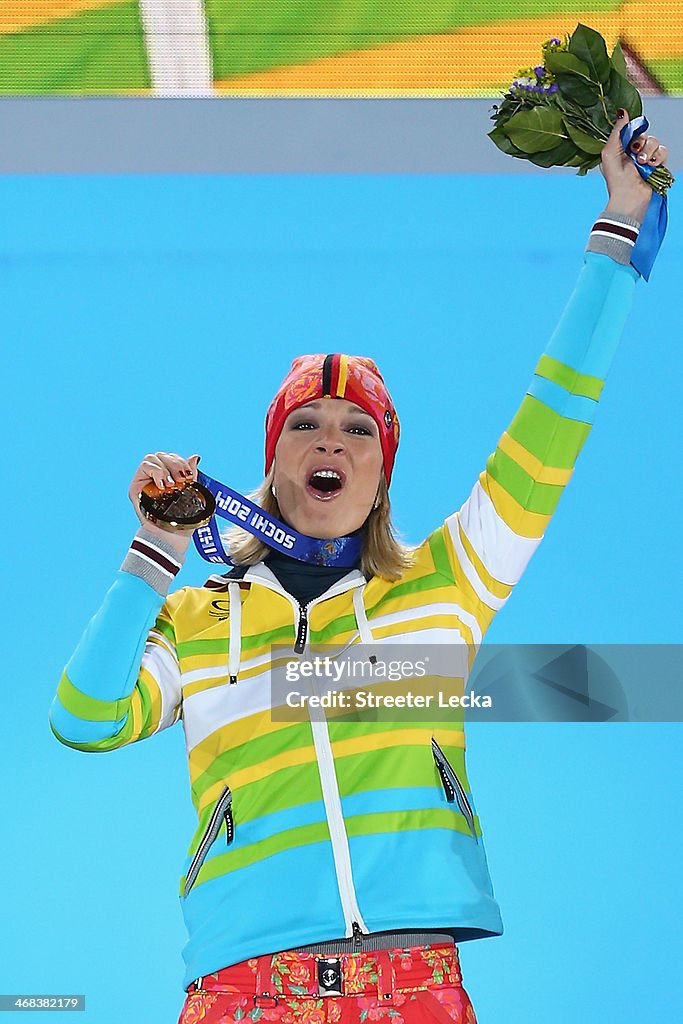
[620, 112]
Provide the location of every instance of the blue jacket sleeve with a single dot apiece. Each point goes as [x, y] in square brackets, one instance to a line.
[123, 681]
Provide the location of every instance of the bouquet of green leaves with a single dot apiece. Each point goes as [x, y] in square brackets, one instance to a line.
[561, 112]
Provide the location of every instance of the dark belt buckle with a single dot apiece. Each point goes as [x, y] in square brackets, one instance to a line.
[329, 976]
[266, 995]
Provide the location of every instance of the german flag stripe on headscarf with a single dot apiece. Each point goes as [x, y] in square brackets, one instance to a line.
[335, 375]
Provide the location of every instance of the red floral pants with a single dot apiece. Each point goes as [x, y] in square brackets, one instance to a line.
[413, 985]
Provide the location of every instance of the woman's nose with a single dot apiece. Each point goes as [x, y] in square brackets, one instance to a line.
[332, 442]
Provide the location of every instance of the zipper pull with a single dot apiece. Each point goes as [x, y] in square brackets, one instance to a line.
[357, 936]
[229, 824]
[300, 642]
[450, 791]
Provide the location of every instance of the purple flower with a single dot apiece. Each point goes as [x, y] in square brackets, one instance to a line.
[555, 40]
[553, 87]
[540, 71]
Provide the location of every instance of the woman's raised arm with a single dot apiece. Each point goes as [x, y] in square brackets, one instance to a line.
[494, 534]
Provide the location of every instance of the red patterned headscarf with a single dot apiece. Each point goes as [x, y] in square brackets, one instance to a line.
[355, 378]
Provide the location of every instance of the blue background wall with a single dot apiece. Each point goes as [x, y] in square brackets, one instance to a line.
[145, 313]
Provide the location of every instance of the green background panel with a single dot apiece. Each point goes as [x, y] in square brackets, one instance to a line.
[246, 37]
[94, 52]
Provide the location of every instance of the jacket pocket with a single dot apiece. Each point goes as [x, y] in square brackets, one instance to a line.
[221, 812]
[453, 787]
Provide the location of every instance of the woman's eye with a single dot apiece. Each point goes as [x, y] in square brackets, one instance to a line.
[358, 428]
[303, 425]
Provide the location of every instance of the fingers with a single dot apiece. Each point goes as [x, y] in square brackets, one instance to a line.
[165, 470]
[622, 119]
[193, 462]
[649, 150]
[647, 147]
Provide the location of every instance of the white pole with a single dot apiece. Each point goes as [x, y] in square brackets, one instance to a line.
[177, 42]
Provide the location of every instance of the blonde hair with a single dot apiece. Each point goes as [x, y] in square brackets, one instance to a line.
[383, 553]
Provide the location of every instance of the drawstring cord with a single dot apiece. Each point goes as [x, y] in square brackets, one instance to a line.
[235, 649]
[364, 630]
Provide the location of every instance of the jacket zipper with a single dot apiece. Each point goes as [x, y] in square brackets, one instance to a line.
[223, 809]
[353, 919]
[302, 629]
[453, 787]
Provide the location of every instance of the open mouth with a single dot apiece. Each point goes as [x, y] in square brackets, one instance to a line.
[324, 483]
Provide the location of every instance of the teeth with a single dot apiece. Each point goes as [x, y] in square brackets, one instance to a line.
[331, 473]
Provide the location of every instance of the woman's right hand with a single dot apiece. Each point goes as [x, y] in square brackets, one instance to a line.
[166, 470]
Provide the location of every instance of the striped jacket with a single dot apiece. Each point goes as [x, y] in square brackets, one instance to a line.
[374, 820]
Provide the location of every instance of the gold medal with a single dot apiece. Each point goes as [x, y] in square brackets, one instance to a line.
[185, 507]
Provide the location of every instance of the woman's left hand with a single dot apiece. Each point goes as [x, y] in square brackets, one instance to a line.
[629, 193]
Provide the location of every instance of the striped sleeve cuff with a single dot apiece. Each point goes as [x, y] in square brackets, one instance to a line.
[614, 234]
[153, 559]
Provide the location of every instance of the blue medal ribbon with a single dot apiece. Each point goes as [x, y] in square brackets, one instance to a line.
[653, 228]
[240, 511]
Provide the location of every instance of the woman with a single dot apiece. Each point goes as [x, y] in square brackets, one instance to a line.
[336, 864]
